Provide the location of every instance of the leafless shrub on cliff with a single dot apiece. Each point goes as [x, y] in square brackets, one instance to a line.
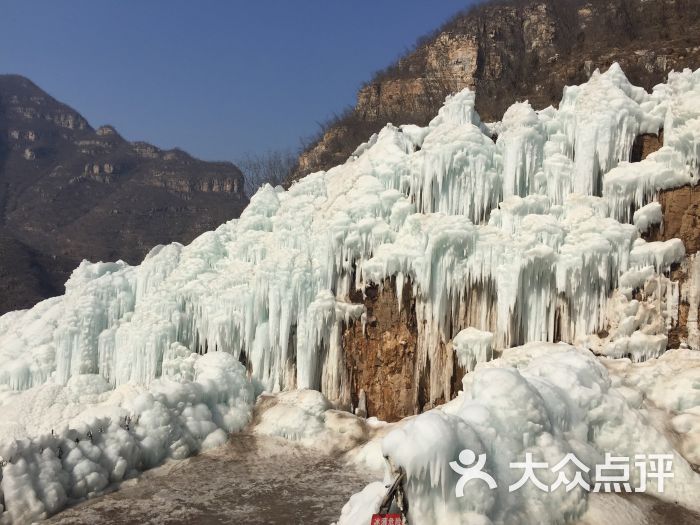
[272, 167]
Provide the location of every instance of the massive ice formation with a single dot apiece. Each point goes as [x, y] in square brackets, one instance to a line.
[416, 203]
[631, 185]
[520, 237]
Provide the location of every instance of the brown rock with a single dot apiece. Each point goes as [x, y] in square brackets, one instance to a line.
[679, 331]
[381, 360]
[681, 217]
[646, 144]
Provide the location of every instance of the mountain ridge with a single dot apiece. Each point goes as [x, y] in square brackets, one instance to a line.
[69, 191]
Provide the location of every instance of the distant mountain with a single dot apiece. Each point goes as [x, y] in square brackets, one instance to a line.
[509, 50]
[68, 192]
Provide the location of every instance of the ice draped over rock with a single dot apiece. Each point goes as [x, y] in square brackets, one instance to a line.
[629, 186]
[531, 231]
[472, 346]
[443, 206]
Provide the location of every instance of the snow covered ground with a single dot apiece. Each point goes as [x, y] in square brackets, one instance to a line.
[135, 365]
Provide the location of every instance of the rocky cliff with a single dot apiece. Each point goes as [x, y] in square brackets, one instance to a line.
[68, 192]
[510, 51]
[681, 217]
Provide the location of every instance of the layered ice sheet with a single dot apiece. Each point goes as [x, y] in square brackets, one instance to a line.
[520, 237]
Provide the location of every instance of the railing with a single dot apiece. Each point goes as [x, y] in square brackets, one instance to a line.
[395, 494]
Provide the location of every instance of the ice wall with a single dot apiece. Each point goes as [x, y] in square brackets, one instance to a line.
[630, 186]
[532, 221]
[280, 268]
[442, 206]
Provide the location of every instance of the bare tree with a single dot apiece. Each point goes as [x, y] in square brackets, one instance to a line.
[273, 167]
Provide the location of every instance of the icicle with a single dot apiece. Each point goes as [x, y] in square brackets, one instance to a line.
[473, 346]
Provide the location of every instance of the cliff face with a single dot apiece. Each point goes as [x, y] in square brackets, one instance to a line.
[380, 358]
[509, 51]
[68, 192]
[681, 217]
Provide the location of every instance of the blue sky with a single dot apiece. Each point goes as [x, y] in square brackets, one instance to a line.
[216, 78]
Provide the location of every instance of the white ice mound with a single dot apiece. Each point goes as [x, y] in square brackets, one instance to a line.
[86, 436]
[545, 399]
[671, 383]
[306, 416]
[647, 216]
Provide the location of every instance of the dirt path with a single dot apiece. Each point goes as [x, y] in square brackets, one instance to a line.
[252, 480]
[635, 509]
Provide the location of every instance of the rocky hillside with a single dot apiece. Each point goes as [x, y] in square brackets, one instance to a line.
[509, 51]
[68, 192]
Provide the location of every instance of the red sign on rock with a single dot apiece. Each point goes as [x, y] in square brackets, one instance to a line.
[386, 519]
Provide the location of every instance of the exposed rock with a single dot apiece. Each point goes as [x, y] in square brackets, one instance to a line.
[646, 144]
[146, 151]
[384, 376]
[681, 219]
[380, 360]
[681, 212]
[105, 131]
[678, 333]
[680, 206]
